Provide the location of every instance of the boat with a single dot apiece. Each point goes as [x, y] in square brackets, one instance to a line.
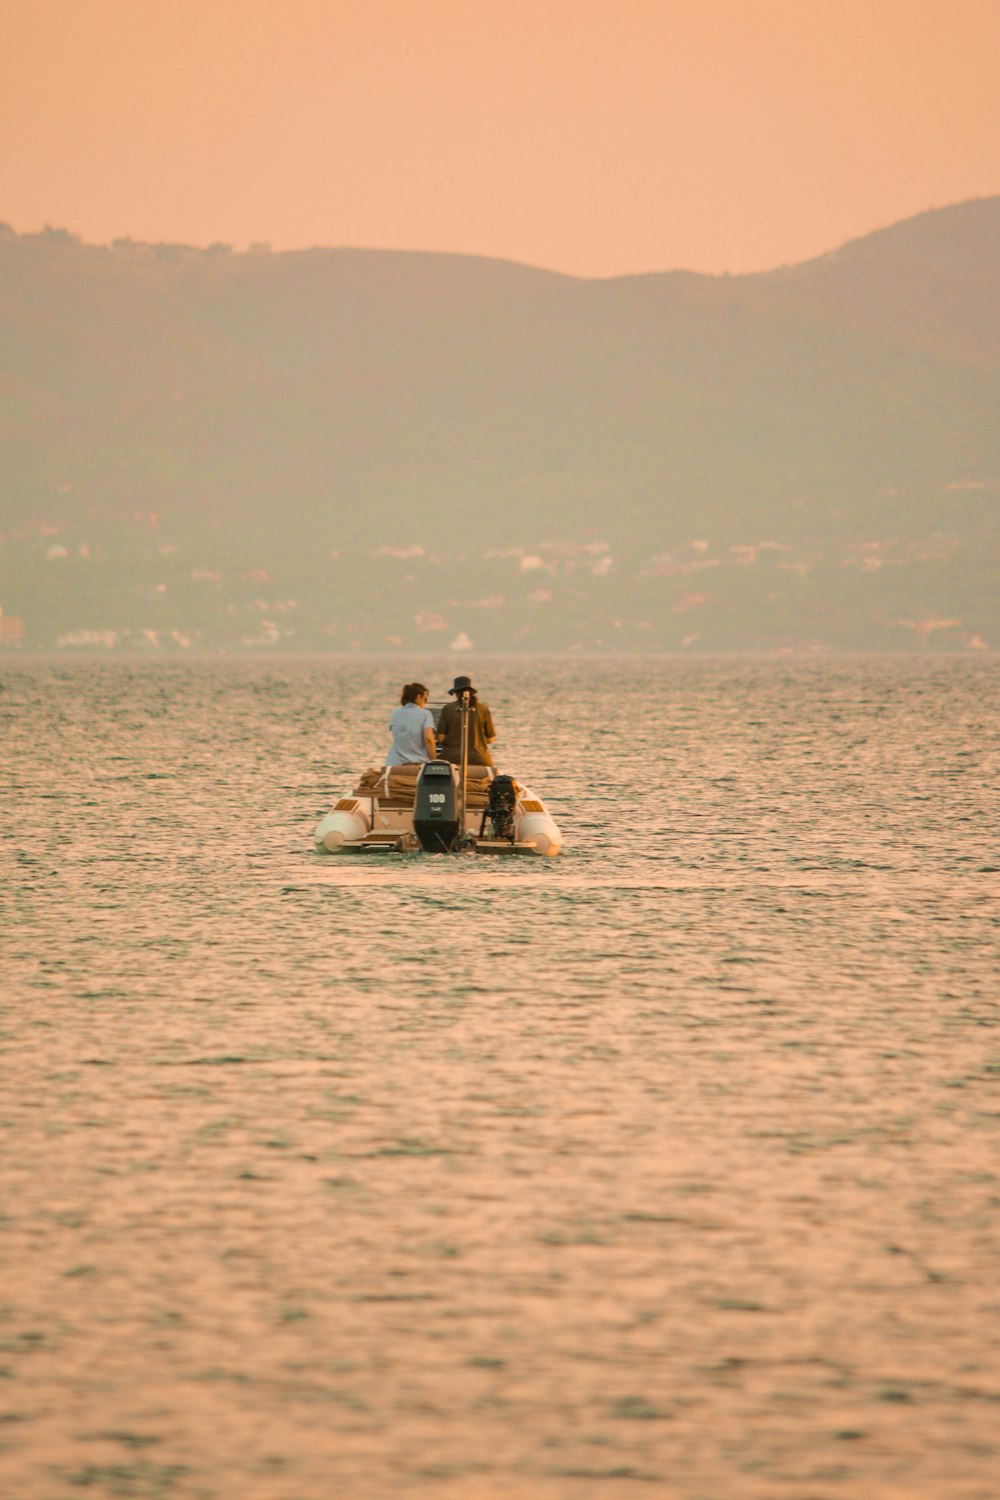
[437, 807]
[432, 807]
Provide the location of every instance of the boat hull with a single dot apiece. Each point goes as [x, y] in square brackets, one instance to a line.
[378, 818]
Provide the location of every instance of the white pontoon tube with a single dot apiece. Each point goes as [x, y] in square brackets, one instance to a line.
[349, 821]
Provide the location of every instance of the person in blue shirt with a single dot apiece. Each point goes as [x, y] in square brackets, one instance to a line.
[412, 726]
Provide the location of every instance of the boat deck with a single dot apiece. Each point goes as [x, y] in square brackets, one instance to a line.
[394, 843]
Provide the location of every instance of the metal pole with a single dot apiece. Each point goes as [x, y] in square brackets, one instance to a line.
[465, 710]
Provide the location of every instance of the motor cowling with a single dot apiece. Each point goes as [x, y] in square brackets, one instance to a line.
[502, 806]
[435, 809]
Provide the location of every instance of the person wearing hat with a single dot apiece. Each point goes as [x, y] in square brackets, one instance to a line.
[481, 730]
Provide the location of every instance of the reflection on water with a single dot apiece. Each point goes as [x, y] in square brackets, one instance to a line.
[672, 1160]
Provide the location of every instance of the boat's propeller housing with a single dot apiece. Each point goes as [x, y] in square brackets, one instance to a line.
[436, 814]
[502, 806]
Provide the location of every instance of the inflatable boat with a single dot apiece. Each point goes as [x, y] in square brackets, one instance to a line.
[438, 808]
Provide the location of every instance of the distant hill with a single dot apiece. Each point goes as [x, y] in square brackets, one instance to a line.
[351, 449]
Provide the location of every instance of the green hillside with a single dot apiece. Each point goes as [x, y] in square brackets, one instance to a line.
[346, 449]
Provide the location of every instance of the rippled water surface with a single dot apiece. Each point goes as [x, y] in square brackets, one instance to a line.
[669, 1166]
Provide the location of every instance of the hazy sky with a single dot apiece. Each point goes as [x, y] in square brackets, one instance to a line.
[592, 136]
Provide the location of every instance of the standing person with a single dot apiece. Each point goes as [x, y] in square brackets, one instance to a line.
[481, 730]
[412, 726]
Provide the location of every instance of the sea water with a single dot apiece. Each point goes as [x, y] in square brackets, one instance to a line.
[667, 1166]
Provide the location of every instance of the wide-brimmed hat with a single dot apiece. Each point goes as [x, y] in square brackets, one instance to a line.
[462, 685]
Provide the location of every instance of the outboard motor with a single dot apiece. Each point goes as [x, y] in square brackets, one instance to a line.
[435, 810]
[502, 805]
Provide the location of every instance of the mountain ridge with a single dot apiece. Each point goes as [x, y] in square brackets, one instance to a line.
[275, 410]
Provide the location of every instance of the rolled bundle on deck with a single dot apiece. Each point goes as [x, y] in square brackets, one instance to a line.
[396, 782]
[398, 785]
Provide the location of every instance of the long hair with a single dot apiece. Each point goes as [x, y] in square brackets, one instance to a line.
[412, 691]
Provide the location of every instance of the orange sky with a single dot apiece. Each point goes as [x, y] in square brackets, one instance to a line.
[593, 136]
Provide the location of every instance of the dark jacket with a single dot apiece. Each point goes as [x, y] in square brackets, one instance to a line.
[481, 731]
